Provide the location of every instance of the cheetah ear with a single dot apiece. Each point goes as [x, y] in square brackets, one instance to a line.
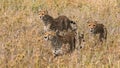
[88, 21]
[39, 11]
[46, 12]
[95, 21]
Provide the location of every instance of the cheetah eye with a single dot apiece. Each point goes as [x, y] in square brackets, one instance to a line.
[45, 37]
[73, 22]
[93, 25]
[88, 25]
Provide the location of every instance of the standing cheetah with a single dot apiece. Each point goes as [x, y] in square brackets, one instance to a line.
[60, 23]
[97, 29]
[57, 41]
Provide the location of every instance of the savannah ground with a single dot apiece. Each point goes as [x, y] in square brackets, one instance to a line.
[21, 44]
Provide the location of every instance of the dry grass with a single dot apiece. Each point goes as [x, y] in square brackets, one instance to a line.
[21, 44]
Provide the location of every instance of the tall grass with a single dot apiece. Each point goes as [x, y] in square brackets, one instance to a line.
[21, 44]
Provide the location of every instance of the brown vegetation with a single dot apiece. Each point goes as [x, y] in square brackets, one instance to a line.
[21, 45]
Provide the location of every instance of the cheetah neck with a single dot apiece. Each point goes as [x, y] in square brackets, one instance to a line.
[47, 19]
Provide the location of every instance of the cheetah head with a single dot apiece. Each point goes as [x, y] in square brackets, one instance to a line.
[49, 35]
[73, 25]
[92, 26]
[42, 13]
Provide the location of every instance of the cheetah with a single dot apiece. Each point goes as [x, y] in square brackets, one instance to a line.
[60, 23]
[57, 41]
[97, 29]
